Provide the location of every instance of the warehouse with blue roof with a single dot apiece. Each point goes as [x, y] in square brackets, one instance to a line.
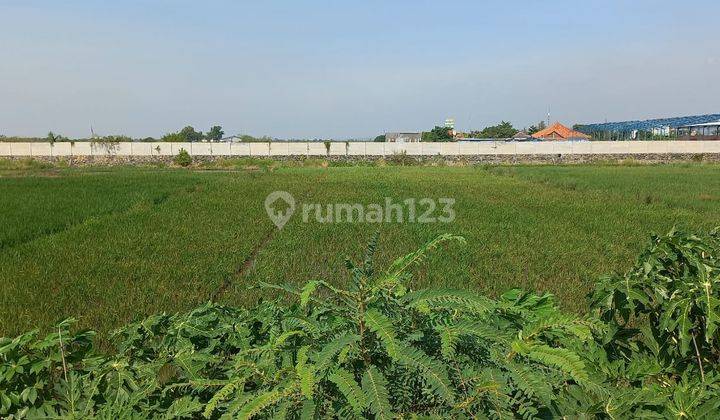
[695, 127]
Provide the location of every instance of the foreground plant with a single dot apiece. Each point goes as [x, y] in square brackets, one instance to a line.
[378, 349]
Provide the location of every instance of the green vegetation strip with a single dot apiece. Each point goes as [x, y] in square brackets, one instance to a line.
[376, 348]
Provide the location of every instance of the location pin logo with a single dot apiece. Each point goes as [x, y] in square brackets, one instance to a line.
[280, 206]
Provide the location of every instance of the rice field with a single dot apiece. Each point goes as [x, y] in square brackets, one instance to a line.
[112, 245]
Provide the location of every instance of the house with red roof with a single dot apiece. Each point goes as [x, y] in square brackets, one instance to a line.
[558, 131]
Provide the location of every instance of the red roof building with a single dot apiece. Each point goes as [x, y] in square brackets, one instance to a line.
[558, 131]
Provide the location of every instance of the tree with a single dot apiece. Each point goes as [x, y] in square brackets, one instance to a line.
[535, 128]
[189, 134]
[437, 134]
[216, 132]
[173, 137]
[52, 138]
[501, 131]
[380, 138]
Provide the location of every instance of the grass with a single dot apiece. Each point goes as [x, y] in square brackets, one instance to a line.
[110, 246]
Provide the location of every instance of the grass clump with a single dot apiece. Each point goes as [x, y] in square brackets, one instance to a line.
[183, 158]
[28, 164]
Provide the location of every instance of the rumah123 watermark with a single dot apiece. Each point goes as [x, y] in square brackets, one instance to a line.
[281, 206]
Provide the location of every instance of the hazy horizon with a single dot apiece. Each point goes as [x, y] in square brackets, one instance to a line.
[350, 70]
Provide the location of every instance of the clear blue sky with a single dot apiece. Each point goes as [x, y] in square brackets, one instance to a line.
[350, 69]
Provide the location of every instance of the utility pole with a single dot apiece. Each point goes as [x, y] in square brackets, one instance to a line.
[548, 116]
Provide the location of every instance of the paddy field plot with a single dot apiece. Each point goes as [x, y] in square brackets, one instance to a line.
[108, 246]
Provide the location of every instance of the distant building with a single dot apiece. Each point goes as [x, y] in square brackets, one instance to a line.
[403, 137]
[558, 131]
[521, 136]
[230, 139]
[706, 131]
[669, 128]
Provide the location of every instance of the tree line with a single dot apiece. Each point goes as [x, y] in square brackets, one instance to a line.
[187, 134]
[503, 130]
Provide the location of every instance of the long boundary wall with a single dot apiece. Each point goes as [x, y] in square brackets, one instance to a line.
[361, 149]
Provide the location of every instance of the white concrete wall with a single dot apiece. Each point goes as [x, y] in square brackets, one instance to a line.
[532, 148]
[21, 149]
[431, 148]
[317, 149]
[711, 147]
[278, 149]
[582, 148]
[221, 149]
[361, 148]
[175, 148]
[414, 149]
[338, 148]
[393, 148]
[122, 149]
[6, 149]
[259, 149]
[41, 149]
[141, 149]
[449, 149]
[80, 149]
[161, 149]
[375, 149]
[356, 148]
[61, 149]
[297, 149]
[468, 148]
[239, 149]
[200, 149]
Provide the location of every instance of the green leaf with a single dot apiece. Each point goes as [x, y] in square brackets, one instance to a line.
[483, 330]
[555, 321]
[684, 325]
[306, 372]
[712, 319]
[346, 383]
[325, 357]
[308, 290]
[183, 407]
[223, 394]
[282, 338]
[449, 337]
[308, 410]
[531, 382]
[463, 300]
[432, 371]
[374, 386]
[381, 325]
[257, 404]
[564, 359]
[403, 263]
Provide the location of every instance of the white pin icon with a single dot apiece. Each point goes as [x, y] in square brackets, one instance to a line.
[280, 213]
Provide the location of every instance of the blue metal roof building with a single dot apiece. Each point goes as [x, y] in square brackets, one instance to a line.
[647, 125]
